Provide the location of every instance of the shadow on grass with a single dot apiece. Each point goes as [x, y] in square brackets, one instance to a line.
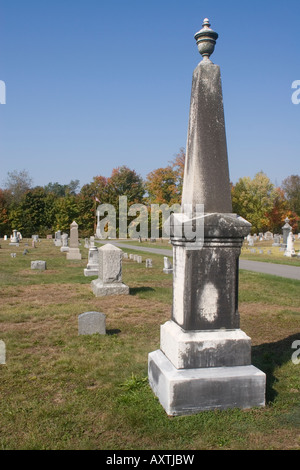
[268, 356]
[139, 290]
[113, 332]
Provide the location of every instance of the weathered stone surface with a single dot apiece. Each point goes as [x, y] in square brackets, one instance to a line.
[213, 348]
[205, 359]
[39, 264]
[109, 280]
[189, 391]
[116, 288]
[74, 251]
[206, 176]
[90, 323]
[73, 254]
[92, 268]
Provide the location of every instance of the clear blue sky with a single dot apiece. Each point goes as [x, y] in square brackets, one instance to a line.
[93, 85]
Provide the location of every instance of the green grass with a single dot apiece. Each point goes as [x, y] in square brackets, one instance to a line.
[62, 391]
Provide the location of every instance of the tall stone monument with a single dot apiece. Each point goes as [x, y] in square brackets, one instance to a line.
[204, 360]
[74, 252]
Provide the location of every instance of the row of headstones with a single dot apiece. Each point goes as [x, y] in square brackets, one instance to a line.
[92, 268]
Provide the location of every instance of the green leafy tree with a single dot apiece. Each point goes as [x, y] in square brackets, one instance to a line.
[66, 210]
[253, 199]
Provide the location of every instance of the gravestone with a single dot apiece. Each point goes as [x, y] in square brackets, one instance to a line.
[90, 323]
[92, 268]
[285, 232]
[57, 238]
[125, 255]
[276, 240]
[109, 280]
[290, 250]
[131, 256]
[168, 268]
[148, 263]
[250, 241]
[204, 360]
[13, 255]
[64, 241]
[268, 235]
[2, 352]
[74, 252]
[139, 259]
[14, 239]
[5, 237]
[39, 265]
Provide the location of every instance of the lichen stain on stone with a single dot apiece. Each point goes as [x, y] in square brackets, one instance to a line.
[209, 302]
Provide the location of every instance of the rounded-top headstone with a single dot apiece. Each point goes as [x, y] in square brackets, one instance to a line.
[90, 323]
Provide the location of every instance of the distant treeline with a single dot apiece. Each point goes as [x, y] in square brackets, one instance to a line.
[43, 210]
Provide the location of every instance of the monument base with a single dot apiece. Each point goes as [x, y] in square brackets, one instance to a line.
[73, 253]
[115, 288]
[91, 271]
[189, 391]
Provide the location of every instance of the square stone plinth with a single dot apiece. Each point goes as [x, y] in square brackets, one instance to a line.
[115, 288]
[215, 348]
[73, 253]
[189, 391]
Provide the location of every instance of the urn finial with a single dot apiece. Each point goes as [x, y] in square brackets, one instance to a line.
[206, 40]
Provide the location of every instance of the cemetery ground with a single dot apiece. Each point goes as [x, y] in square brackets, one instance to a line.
[61, 390]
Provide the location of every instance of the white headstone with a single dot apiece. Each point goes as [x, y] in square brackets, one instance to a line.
[109, 280]
[167, 266]
[2, 352]
[92, 268]
[290, 250]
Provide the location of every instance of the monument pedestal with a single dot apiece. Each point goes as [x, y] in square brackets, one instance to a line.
[189, 391]
[204, 361]
[115, 288]
[73, 253]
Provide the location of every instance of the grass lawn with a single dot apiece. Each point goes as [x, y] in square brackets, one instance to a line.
[59, 390]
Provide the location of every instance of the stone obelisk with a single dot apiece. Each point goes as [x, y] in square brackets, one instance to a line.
[204, 360]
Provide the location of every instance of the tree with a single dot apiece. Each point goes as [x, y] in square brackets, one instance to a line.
[291, 188]
[5, 226]
[30, 215]
[161, 185]
[125, 182]
[62, 189]
[178, 166]
[278, 212]
[253, 199]
[17, 183]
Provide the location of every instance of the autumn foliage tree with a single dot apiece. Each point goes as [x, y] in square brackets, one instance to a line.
[253, 199]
